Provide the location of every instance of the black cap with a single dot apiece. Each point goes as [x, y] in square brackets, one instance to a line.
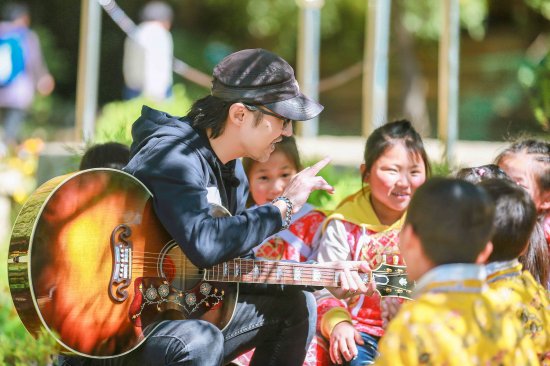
[260, 77]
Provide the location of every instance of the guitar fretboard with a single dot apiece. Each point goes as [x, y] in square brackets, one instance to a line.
[270, 272]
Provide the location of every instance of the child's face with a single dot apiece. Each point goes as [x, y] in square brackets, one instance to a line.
[269, 179]
[393, 179]
[521, 168]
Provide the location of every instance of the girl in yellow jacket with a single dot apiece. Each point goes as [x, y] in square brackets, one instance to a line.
[365, 226]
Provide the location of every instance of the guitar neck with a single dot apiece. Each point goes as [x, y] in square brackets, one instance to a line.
[274, 272]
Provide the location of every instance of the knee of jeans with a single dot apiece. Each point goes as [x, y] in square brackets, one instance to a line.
[195, 340]
[208, 337]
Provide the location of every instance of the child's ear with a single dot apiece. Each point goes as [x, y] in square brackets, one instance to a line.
[485, 253]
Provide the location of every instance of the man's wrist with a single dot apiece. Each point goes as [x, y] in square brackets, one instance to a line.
[286, 211]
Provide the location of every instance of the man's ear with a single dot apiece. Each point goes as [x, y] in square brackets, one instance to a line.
[484, 255]
[236, 114]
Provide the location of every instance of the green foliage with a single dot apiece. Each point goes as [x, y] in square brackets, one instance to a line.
[441, 169]
[116, 118]
[535, 78]
[345, 181]
[424, 18]
[17, 346]
[540, 6]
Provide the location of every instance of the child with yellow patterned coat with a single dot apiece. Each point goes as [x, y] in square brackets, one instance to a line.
[455, 318]
[514, 220]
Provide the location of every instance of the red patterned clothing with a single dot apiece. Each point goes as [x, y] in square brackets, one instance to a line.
[295, 243]
[353, 232]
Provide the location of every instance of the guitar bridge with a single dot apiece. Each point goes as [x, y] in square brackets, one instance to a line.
[121, 274]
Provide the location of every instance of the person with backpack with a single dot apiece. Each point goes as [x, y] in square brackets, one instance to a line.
[22, 71]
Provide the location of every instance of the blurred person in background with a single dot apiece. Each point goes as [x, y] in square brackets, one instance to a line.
[148, 54]
[22, 71]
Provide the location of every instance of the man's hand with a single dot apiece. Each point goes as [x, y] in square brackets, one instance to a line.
[302, 184]
[350, 282]
[343, 340]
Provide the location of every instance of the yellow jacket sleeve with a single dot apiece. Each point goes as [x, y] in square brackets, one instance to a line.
[331, 318]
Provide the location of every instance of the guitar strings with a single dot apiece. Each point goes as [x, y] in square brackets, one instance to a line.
[246, 269]
[241, 261]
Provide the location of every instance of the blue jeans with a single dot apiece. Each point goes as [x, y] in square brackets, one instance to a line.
[279, 325]
[367, 352]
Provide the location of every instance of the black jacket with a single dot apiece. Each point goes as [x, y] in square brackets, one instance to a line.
[179, 167]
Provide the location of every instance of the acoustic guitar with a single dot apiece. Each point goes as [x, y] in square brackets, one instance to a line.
[90, 263]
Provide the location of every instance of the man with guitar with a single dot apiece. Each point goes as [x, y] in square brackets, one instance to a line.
[192, 162]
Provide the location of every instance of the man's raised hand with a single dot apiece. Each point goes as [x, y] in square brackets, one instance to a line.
[306, 181]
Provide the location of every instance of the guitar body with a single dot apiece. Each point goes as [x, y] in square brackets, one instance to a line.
[90, 262]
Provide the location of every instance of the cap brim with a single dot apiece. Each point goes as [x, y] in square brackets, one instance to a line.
[299, 108]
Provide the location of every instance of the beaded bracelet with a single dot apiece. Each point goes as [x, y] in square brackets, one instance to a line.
[288, 216]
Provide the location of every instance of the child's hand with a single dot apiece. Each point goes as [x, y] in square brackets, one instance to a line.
[343, 340]
[350, 282]
[389, 308]
[302, 184]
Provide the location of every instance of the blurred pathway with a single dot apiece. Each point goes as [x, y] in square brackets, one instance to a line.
[348, 151]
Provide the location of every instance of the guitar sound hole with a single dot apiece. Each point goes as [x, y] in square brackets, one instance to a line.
[179, 270]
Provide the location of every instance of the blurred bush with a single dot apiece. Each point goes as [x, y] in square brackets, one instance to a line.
[116, 118]
[17, 346]
[345, 180]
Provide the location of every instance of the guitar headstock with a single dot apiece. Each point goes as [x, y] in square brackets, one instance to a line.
[391, 280]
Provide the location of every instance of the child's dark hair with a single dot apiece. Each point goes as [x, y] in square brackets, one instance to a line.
[210, 113]
[539, 151]
[388, 135]
[288, 147]
[108, 155]
[515, 217]
[452, 218]
[480, 173]
[537, 258]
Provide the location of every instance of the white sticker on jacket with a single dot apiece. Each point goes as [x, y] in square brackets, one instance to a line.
[213, 195]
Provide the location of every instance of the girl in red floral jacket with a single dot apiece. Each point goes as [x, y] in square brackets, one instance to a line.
[267, 181]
